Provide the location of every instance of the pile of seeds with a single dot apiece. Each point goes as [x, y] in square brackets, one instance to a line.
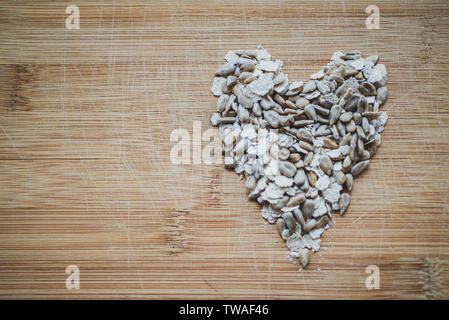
[298, 145]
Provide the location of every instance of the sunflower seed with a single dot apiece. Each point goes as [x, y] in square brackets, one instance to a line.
[309, 87]
[302, 123]
[378, 75]
[280, 225]
[330, 144]
[242, 114]
[246, 64]
[322, 87]
[349, 181]
[305, 146]
[344, 202]
[367, 88]
[352, 102]
[287, 168]
[221, 102]
[350, 126]
[283, 181]
[334, 114]
[310, 112]
[311, 176]
[357, 118]
[326, 164]
[225, 69]
[372, 59]
[250, 182]
[304, 135]
[290, 222]
[297, 199]
[358, 168]
[310, 225]
[307, 209]
[290, 104]
[302, 102]
[322, 222]
[345, 140]
[294, 157]
[360, 132]
[257, 110]
[340, 177]
[346, 162]
[300, 177]
[346, 117]
[304, 255]
[272, 117]
[225, 120]
[296, 86]
[250, 53]
[362, 105]
[382, 95]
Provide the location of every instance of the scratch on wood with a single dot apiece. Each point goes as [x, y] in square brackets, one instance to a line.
[175, 229]
[214, 189]
[210, 286]
[431, 278]
[428, 31]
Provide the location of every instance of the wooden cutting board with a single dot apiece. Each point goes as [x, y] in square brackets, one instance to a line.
[86, 177]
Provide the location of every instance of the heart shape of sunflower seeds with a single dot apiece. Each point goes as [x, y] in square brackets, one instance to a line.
[299, 145]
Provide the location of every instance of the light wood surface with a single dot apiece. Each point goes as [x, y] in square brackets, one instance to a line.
[86, 179]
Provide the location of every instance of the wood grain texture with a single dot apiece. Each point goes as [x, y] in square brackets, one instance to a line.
[86, 117]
